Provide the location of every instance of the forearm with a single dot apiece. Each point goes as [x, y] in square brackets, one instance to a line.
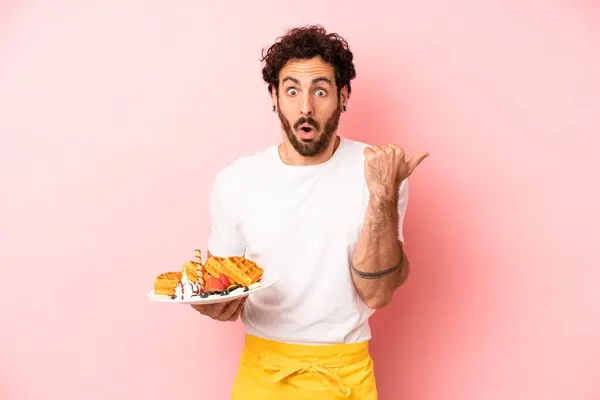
[378, 249]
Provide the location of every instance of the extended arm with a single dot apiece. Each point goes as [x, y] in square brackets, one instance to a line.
[379, 264]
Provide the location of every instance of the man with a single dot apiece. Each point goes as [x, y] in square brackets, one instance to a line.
[325, 215]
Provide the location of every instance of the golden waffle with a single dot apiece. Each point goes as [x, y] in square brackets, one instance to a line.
[238, 270]
[191, 271]
[165, 283]
[249, 268]
[213, 267]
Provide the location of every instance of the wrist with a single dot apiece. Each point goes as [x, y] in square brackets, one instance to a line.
[378, 201]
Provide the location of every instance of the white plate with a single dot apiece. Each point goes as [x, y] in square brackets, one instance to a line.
[265, 282]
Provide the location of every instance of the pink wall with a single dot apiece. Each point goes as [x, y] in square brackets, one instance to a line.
[113, 122]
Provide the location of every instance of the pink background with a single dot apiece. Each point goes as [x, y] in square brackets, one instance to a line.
[113, 121]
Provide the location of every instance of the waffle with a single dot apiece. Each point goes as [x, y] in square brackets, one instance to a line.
[165, 283]
[191, 271]
[238, 270]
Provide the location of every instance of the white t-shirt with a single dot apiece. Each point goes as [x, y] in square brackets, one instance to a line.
[302, 224]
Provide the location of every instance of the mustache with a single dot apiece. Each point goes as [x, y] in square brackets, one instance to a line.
[309, 121]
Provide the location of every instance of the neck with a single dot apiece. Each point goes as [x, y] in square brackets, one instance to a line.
[290, 156]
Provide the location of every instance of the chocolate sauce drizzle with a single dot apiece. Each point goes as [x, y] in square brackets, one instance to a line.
[196, 291]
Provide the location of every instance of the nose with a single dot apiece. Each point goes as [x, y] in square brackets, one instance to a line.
[307, 106]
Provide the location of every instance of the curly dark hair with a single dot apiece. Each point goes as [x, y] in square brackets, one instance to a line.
[304, 43]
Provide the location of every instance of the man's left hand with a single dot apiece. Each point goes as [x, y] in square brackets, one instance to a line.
[386, 168]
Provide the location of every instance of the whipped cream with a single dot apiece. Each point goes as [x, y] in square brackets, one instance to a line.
[186, 289]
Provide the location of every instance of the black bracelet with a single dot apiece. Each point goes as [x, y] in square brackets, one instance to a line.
[378, 274]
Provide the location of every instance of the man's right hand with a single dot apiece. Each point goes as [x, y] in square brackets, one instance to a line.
[226, 311]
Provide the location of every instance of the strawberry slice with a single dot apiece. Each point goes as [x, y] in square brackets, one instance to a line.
[214, 285]
[225, 281]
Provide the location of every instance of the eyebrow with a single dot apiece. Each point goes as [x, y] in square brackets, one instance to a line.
[314, 81]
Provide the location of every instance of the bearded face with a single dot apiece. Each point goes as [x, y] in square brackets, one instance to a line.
[309, 105]
[309, 137]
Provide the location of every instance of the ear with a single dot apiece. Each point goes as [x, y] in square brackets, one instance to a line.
[274, 97]
[344, 96]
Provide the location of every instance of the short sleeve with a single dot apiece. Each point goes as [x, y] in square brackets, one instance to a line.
[225, 238]
[402, 204]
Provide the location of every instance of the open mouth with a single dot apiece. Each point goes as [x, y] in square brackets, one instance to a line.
[306, 132]
[306, 129]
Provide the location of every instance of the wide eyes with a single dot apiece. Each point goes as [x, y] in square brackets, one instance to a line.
[319, 92]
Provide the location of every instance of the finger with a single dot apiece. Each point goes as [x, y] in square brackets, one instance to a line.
[369, 153]
[388, 149]
[214, 310]
[379, 153]
[229, 309]
[199, 307]
[414, 162]
[237, 311]
[398, 152]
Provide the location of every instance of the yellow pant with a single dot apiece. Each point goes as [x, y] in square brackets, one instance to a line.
[273, 370]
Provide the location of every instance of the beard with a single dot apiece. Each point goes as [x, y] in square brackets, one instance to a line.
[322, 139]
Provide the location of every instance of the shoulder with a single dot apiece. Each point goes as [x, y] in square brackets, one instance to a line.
[354, 148]
[352, 158]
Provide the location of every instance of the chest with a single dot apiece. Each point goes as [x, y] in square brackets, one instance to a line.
[307, 213]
